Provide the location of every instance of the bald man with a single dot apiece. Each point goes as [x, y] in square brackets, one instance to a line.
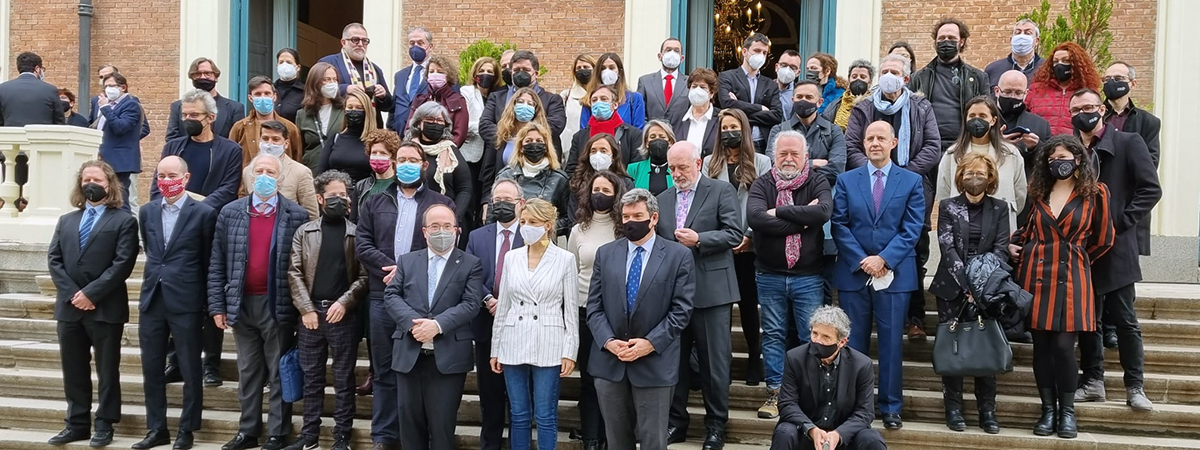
[177, 232]
[1021, 128]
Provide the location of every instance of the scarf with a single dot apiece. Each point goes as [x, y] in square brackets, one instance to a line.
[905, 132]
[842, 117]
[444, 153]
[785, 189]
[596, 126]
[368, 78]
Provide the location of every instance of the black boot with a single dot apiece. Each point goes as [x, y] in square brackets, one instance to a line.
[1067, 428]
[985, 396]
[952, 398]
[1046, 425]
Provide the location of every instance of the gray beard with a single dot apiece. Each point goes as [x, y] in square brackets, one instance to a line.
[788, 176]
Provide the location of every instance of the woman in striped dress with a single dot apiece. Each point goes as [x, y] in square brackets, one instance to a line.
[1067, 226]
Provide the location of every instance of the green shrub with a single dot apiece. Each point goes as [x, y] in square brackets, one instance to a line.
[479, 49]
[1087, 26]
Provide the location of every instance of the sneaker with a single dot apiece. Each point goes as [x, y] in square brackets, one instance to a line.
[1091, 391]
[770, 409]
[1136, 399]
[304, 443]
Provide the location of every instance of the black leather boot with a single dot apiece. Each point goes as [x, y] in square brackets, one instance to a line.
[952, 398]
[985, 396]
[1046, 424]
[1067, 427]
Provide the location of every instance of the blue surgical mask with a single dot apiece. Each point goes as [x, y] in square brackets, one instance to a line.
[524, 112]
[264, 105]
[602, 110]
[264, 186]
[408, 173]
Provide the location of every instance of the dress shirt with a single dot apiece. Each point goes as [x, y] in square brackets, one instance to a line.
[752, 80]
[512, 238]
[698, 126]
[437, 266]
[417, 74]
[100, 213]
[785, 99]
[406, 222]
[272, 202]
[170, 213]
[646, 248]
[662, 74]
[826, 396]
[887, 171]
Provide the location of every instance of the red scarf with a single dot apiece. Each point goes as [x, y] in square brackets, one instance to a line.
[607, 126]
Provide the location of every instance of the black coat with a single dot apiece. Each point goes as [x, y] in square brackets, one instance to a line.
[556, 117]
[711, 135]
[950, 281]
[765, 94]
[179, 269]
[99, 269]
[1127, 168]
[1146, 125]
[288, 95]
[26, 100]
[1035, 124]
[375, 235]
[855, 405]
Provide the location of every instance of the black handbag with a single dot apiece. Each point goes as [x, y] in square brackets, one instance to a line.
[975, 347]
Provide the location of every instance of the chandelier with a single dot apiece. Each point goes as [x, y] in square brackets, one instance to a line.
[733, 22]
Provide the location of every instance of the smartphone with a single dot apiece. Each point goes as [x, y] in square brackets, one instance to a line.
[1022, 130]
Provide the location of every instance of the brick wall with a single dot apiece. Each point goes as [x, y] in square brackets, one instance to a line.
[140, 37]
[1133, 25]
[556, 31]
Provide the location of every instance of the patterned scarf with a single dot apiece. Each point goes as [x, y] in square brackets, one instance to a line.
[785, 188]
[842, 117]
[368, 79]
[447, 162]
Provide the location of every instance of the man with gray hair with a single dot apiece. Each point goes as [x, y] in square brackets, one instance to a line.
[356, 73]
[1024, 56]
[786, 209]
[639, 303]
[411, 81]
[861, 74]
[812, 415]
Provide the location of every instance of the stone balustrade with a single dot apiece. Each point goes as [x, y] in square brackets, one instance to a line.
[53, 154]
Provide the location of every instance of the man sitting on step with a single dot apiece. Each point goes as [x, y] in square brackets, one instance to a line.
[828, 391]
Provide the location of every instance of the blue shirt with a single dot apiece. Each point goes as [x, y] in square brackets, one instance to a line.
[647, 247]
[887, 172]
[88, 207]
[752, 80]
[273, 202]
[406, 222]
[170, 214]
[785, 99]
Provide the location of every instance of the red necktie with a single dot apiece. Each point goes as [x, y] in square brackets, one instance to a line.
[503, 250]
[669, 88]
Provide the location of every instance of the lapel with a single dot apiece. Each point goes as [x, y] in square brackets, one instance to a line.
[680, 82]
[651, 270]
[812, 369]
[864, 187]
[100, 223]
[699, 194]
[988, 229]
[422, 282]
[453, 260]
[489, 245]
[889, 191]
[656, 85]
[72, 224]
[1075, 202]
[185, 212]
[740, 76]
[845, 380]
[154, 231]
[666, 207]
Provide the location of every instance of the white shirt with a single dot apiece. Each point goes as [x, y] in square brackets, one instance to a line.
[472, 148]
[512, 238]
[414, 73]
[674, 77]
[323, 124]
[697, 127]
[440, 267]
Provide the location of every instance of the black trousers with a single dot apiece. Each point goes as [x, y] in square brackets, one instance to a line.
[743, 266]
[212, 342]
[155, 327]
[76, 342]
[493, 395]
[916, 304]
[790, 437]
[592, 422]
[429, 410]
[708, 333]
[1118, 306]
[340, 341]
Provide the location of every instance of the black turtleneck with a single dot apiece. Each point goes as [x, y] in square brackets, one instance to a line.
[329, 281]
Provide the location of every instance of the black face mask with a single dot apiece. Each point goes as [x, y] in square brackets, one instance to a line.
[732, 138]
[1062, 169]
[658, 151]
[804, 108]
[204, 84]
[812, 75]
[1011, 107]
[432, 132]
[1086, 122]
[822, 351]
[93, 192]
[1062, 72]
[485, 81]
[602, 202]
[1114, 89]
[858, 87]
[978, 127]
[582, 76]
[504, 211]
[193, 127]
[522, 79]
[355, 119]
[636, 230]
[336, 207]
[534, 152]
[947, 50]
[506, 76]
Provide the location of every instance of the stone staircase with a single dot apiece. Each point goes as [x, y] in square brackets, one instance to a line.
[32, 406]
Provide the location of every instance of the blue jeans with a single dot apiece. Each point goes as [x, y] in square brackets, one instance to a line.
[532, 392]
[779, 295]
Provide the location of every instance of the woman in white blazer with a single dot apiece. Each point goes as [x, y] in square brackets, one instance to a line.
[535, 335]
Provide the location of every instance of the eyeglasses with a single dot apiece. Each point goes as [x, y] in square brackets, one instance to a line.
[206, 74]
[440, 228]
[1085, 109]
[359, 41]
[1115, 78]
[975, 174]
[1012, 92]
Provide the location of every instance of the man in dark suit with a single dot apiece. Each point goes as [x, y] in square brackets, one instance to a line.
[26, 99]
[878, 212]
[665, 91]
[490, 243]
[204, 74]
[747, 89]
[702, 214]
[828, 391]
[410, 81]
[248, 291]
[91, 255]
[123, 121]
[1127, 168]
[388, 227]
[177, 234]
[357, 73]
[639, 303]
[524, 67]
[432, 298]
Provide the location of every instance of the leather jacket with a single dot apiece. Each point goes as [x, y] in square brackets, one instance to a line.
[306, 245]
[548, 185]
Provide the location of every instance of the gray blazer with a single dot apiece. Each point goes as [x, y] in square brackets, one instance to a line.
[456, 301]
[651, 87]
[715, 216]
[762, 164]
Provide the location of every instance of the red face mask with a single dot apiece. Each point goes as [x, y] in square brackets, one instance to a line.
[381, 166]
[170, 188]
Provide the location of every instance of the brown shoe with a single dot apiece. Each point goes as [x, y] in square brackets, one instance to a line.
[365, 388]
[916, 333]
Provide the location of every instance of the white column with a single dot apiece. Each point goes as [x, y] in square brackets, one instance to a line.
[384, 21]
[203, 31]
[1175, 68]
[647, 25]
[55, 154]
[858, 29]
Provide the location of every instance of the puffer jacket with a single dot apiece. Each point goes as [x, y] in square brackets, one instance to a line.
[227, 267]
[548, 185]
[306, 246]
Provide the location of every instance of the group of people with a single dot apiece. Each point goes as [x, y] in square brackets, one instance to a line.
[499, 227]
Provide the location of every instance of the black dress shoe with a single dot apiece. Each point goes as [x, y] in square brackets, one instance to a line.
[101, 439]
[153, 439]
[593, 444]
[172, 374]
[955, 421]
[240, 442]
[676, 435]
[892, 421]
[275, 443]
[184, 441]
[1110, 337]
[211, 379]
[715, 440]
[988, 422]
[69, 435]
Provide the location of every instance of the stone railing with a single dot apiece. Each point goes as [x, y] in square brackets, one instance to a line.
[49, 156]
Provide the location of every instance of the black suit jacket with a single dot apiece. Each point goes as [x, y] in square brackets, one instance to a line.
[798, 396]
[482, 245]
[375, 235]
[1146, 125]
[178, 269]
[711, 138]
[1128, 169]
[26, 100]
[456, 300]
[765, 94]
[953, 234]
[229, 112]
[714, 216]
[99, 269]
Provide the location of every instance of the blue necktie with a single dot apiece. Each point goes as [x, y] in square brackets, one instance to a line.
[433, 277]
[634, 280]
[89, 220]
[415, 81]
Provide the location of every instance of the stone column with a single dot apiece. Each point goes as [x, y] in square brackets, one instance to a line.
[384, 20]
[647, 25]
[858, 30]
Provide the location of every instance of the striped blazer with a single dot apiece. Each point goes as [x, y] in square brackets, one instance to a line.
[537, 319]
[1056, 260]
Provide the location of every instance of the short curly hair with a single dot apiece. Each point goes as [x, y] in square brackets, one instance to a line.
[389, 139]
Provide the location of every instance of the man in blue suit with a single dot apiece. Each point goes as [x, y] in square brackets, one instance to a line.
[490, 243]
[639, 302]
[410, 81]
[357, 73]
[878, 213]
[177, 234]
[123, 122]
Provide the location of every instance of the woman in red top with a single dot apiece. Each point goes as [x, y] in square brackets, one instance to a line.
[1067, 226]
[1069, 69]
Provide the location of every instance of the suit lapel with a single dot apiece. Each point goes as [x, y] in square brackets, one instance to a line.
[845, 380]
[812, 368]
[889, 190]
[72, 224]
[667, 207]
[656, 85]
[651, 270]
[742, 81]
[452, 263]
[184, 212]
[699, 194]
[987, 229]
[864, 187]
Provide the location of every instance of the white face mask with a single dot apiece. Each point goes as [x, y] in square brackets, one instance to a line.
[757, 60]
[600, 161]
[608, 77]
[890, 83]
[275, 150]
[112, 92]
[698, 96]
[286, 71]
[1022, 44]
[786, 75]
[329, 90]
[671, 60]
[531, 234]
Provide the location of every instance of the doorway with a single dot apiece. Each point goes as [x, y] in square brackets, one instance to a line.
[262, 27]
[714, 30]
